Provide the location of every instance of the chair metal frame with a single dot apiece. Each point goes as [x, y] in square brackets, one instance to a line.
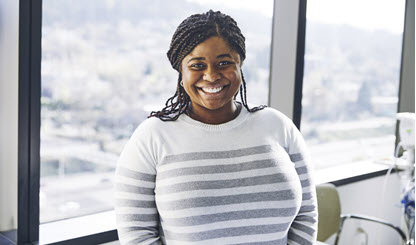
[343, 217]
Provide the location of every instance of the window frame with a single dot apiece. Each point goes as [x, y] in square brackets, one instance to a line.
[30, 21]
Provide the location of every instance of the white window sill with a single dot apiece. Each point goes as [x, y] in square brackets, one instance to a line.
[76, 227]
[352, 172]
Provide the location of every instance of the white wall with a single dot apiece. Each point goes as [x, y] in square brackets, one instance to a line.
[9, 25]
[366, 197]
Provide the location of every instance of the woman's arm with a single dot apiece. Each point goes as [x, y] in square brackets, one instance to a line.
[304, 228]
[136, 214]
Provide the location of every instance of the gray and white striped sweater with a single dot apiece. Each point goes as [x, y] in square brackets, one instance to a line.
[247, 181]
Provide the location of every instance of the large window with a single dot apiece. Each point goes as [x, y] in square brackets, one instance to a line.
[351, 79]
[104, 68]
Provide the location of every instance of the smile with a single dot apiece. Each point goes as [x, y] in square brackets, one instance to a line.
[212, 90]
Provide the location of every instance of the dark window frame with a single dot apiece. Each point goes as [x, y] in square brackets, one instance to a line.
[300, 58]
[30, 21]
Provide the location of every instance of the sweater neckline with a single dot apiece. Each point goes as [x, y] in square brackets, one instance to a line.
[217, 127]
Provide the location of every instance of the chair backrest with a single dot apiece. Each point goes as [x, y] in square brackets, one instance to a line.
[329, 211]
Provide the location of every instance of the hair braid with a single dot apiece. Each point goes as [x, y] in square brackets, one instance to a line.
[190, 33]
[243, 95]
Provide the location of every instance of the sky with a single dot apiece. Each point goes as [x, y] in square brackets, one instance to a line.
[387, 15]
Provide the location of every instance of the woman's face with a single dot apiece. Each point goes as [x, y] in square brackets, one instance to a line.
[211, 75]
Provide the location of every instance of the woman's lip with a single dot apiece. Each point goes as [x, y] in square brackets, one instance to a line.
[212, 94]
[211, 87]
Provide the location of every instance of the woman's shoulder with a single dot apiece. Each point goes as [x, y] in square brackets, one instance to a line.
[149, 127]
[273, 116]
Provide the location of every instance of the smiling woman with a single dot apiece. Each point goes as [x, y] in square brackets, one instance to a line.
[213, 170]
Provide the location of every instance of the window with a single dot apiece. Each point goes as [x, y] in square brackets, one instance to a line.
[104, 69]
[351, 79]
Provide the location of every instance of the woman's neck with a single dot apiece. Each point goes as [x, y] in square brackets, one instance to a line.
[218, 116]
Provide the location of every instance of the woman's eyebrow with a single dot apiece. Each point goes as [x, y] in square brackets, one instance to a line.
[224, 55]
[196, 58]
[218, 57]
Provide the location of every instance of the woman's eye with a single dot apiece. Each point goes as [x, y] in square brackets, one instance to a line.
[224, 63]
[197, 66]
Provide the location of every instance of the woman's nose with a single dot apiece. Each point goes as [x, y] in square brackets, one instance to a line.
[211, 75]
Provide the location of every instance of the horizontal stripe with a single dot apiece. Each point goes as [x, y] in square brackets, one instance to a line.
[204, 185]
[305, 183]
[305, 218]
[226, 192]
[230, 240]
[224, 200]
[135, 210]
[296, 157]
[135, 174]
[229, 176]
[302, 170]
[226, 216]
[135, 203]
[308, 208]
[228, 224]
[137, 217]
[138, 224]
[136, 228]
[216, 154]
[303, 228]
[135, 182]
[304, 177]
[226, 208]
[259, 164]
[296, 238]
[213, 162]
[282, 241]
[135, 189]
[133, 196]
[228, 232]
[306, 196]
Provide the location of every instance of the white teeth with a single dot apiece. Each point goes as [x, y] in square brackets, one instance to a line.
[212, 90]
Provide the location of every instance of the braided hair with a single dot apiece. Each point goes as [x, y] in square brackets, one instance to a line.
[190, 33]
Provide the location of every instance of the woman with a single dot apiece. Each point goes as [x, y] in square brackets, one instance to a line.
[205, 170]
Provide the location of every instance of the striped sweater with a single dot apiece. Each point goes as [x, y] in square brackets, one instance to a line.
[247, 181]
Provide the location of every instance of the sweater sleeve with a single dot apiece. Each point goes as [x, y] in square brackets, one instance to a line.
[304, 228]
[137, 218]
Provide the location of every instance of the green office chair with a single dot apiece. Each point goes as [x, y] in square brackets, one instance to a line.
[331, 221]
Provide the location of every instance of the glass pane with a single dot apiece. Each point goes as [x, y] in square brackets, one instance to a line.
[351, 79]
[104, 68]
